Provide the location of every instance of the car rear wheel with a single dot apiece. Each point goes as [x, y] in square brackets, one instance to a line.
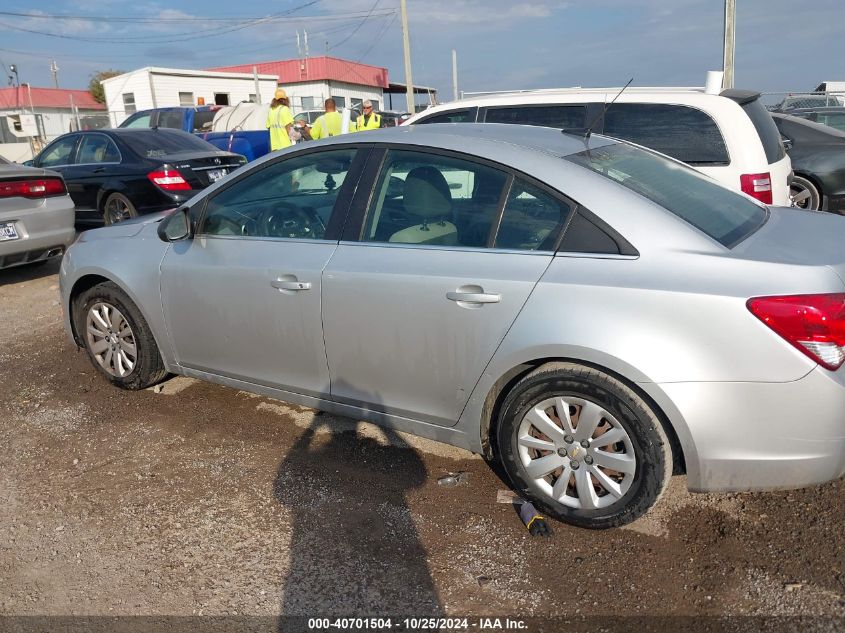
[118, 208]
[117, 338]
[583, 446]
[804, 194]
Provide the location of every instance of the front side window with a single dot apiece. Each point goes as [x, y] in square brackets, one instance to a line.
[835, 120]
[429, 199]
[532, 219]
[292, 198]
[129, 102]
[139, 120]
[558, 116]
[684, 133]
[725, 216]
[59, 153]
[97, 148]
[457, 116]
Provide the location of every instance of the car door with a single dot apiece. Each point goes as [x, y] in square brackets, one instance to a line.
[59, 156]
[422, 290]
[242, 298]
[97, 160]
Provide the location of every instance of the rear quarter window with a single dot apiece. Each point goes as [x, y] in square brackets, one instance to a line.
[681, 132]
[766, 130]
[455, 116]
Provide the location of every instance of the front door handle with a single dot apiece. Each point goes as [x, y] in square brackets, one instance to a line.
[99, 170]
[287, 284]
[478, 296]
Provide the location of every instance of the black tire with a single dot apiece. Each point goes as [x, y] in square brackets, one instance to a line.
[813, 199]
[118, 208]
[650, 444]
[148, 367]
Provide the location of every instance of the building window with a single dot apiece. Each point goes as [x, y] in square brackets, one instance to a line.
[356, 104]
[128, 102]
[340, 102]
[253, 98]
[221, 98]
[186, 99]
[375, 104]
[309, 103]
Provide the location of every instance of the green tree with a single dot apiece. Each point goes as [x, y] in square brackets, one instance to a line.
[95, 86]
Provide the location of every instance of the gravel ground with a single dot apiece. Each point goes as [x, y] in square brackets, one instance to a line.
[199, 499]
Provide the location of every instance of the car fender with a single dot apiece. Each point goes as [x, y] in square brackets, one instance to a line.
[109, 187]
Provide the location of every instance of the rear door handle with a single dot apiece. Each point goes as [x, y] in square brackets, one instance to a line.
[286, 284]
[474, 297]
[99, 170]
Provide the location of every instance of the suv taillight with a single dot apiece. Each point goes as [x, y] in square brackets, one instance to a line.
[813, 324]
[169, 180]
[757, 186]
[32, 188]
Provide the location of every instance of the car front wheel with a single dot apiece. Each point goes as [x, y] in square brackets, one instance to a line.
[582, 446]
[117, 338]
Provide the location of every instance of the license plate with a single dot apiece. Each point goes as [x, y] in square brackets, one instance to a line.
[8, 232]
[216, 174]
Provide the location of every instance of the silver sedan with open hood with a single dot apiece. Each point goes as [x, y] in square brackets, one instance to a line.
[592, 314]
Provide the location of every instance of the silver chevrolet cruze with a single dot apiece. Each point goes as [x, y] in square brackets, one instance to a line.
[593, 315]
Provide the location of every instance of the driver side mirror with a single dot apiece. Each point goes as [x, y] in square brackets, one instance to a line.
[787, 143]
[176, 227]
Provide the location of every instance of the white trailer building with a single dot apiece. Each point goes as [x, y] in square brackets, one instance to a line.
[153, 87]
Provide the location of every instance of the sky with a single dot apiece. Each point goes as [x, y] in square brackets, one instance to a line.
[500, 44]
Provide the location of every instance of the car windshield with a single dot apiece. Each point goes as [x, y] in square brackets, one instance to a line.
[158, 143]
[725, 216]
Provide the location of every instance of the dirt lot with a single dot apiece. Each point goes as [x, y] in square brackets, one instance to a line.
[205, 500]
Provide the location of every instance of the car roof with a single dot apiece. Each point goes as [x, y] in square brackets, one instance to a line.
[544, 139]
[810, 126]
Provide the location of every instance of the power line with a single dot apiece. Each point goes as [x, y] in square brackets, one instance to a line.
[357, 28]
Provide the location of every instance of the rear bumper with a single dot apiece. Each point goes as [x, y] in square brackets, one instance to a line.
[757, 436]
[45, 231]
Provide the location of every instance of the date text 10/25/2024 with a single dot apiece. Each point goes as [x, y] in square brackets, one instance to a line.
[417, 624]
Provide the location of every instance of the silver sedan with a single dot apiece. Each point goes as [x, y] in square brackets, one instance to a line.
[36, 215]
[593, 315]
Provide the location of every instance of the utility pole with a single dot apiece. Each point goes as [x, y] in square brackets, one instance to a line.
[406, 43]
[54, 70]
[454, 74]
[730, 41]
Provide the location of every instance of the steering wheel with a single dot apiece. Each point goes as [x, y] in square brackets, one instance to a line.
[291, 221]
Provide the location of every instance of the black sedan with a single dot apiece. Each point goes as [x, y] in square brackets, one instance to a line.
[832, 116]
[818, 160]
[114, 175]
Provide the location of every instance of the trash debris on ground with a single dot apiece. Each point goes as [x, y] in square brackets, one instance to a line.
[508, 496]
[533, 520]
[484, 580]
[792, 586]
[158, 388]
[453, 479]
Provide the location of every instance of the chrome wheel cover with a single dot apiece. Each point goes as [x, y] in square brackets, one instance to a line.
[110, 339]
[576, 452]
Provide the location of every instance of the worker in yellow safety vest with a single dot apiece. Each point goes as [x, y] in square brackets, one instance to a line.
[279, 121]
[369, 120]
[328, 124]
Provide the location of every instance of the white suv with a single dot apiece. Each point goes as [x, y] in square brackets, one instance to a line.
[729, 136]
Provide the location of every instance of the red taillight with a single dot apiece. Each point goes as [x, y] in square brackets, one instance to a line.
[35, 188]
[757, 186]
[169, 180]
[814, 324]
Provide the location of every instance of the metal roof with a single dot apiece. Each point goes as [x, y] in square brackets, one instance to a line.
[291, 71]
[19, 97]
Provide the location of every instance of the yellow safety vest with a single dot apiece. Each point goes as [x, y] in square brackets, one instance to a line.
[373, 124]
[328, 124]
[278, 119]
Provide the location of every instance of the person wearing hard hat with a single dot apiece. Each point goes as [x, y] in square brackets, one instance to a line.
[279, 121]
[369, 120]
[328, 124]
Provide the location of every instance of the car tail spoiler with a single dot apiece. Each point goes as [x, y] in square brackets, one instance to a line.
[740, 96]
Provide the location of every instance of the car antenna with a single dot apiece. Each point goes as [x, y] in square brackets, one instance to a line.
[593, 123]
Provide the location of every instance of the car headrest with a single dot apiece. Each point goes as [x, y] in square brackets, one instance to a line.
[427, 193]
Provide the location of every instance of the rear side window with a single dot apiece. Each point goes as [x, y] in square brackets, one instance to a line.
[681, 132]
[766, 129]
[170, 119]
[532, 219]
[559, 116]
[725, 216]
[456, 116]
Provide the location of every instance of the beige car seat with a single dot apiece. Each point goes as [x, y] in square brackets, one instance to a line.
[427, 196]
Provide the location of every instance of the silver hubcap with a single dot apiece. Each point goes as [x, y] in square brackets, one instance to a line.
[118, 211]
[802, 197]
[110, 339]
[576, 452]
